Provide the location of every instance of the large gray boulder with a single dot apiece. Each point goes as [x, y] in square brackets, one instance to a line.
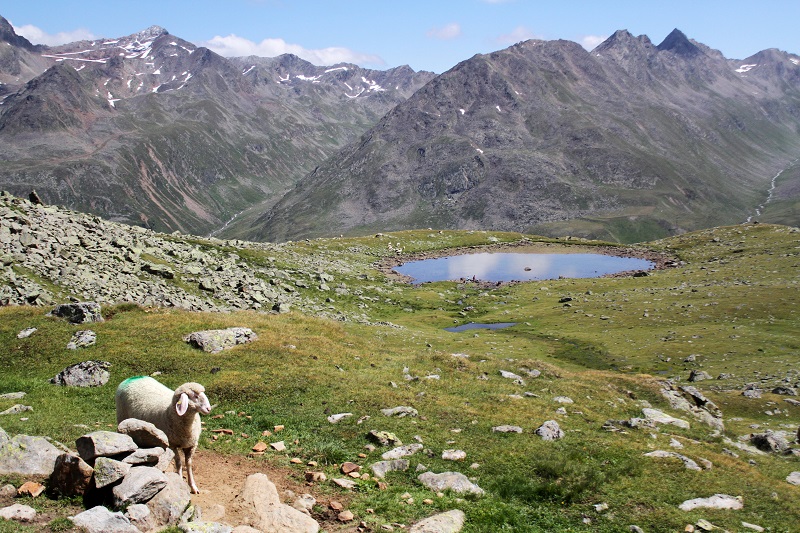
[216, 340]
[262, 507]
[103, 444]
[84, 374]
[28, 456]
[79, 313]
[101, 520]
[447, 522]
[455, 481]
[139, 486]
[169, 505]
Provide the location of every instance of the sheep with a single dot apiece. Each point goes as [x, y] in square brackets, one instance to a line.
[176, 413]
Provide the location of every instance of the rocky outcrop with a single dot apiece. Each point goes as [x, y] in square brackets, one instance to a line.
[216, 340]
[84, 374]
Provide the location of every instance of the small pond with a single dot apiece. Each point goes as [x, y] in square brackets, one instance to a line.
[497, 267]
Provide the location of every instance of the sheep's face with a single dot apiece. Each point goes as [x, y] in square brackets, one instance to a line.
[192, 400]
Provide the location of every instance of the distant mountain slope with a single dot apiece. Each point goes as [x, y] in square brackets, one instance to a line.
[150, 129]
[629, 142]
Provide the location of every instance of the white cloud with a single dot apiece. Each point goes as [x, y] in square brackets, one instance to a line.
[235, 46]
[447, 32]
[520, 33]
[591, 41]
[38, 36]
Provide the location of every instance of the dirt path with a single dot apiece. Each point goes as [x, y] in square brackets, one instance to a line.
[221, 478]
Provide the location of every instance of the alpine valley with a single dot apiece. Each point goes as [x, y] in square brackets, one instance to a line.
[628, 142]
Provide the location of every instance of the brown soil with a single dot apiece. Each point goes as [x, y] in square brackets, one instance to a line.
[221, 478]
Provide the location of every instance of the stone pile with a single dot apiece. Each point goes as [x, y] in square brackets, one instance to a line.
[126, 488]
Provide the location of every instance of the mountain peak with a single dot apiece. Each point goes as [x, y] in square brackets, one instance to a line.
[150, 33]
[8, 35]
[678, 43]
[622, 38]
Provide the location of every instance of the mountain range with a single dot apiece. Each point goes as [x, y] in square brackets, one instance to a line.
[630, 141]
[152, 130]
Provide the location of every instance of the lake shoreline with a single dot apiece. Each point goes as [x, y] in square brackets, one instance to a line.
[660, 260]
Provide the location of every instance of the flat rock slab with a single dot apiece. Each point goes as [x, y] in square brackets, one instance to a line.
[401, 451]
[447, 522]
[455, 481]
[216, 340]
[84, 374]
[101, 520]
[400, 411]
[18, 513]
[507, 429]
[717, 501]
[381, 468]
[687, 462]
[793, 478]
[79, 313]
[659, 417]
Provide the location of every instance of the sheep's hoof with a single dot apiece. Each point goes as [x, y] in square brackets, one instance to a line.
[195, 490]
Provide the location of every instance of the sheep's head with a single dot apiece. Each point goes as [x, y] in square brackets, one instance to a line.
[191, 399]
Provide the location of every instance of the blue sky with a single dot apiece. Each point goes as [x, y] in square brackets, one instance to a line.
[425, 34]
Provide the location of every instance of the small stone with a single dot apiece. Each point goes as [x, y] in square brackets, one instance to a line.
[260, 447]
[345, 516]
[333, 419]
[335, 505]
[316, 476]
[345, 483]
[348, 467]
[278, 446]
[31, 488]
[454, 455]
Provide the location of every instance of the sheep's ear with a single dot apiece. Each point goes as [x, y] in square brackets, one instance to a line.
[183, 405]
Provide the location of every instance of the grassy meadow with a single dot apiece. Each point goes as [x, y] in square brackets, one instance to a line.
[732, 303]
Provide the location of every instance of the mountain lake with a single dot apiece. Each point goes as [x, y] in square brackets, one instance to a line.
[503, 267]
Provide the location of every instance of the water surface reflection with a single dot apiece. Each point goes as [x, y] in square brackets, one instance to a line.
[496, 267]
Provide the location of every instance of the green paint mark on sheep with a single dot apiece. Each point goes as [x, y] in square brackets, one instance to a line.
[125, 384]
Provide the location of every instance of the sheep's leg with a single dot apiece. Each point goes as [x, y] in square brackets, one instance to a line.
[192, 485]
[178, 463]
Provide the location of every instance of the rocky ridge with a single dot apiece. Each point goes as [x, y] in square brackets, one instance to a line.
[150, 129]
[628, 142]
[49, 253]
